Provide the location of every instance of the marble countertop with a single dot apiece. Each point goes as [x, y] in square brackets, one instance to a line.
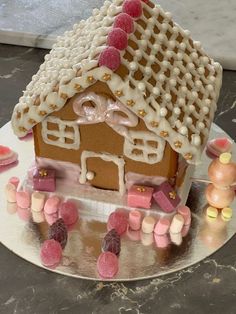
[206, 287]
[36, 23]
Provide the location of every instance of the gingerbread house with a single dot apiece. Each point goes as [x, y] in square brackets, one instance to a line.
[125, 97]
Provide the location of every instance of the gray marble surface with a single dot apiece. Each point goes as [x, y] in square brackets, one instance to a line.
[37, 23]
[207, 287]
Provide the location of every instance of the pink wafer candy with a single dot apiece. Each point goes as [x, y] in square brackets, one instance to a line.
[23, 199]
[69, 213]
[24, 213]
[107, 264]
[51, 218]
[11, 208]
[15, 181]
[51, 253]
[37, 201]
[133, 8]
[10, 191]
[162, 241]
[177, 224]
[52, 205]
[135, 219]
[186, 213]
[117, 221]
[218, 146]
[125, 22]
[162, 226]
[38, 217]
[148, 224]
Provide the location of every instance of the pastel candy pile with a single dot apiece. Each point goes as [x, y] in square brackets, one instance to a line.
[118, 221]
[23, 199]
[111, 242]
[135, 219]
[140, 196]
[51, 253]
[7, 156]
[58, 232]
[107, 265]
[218, 146]
[69, 213]
[148, 224]
[166, 197]
[162, 226]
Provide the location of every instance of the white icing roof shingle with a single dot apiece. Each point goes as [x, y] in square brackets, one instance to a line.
[169, 80]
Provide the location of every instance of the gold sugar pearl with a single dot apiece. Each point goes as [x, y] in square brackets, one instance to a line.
[164, 133]
[188, 156]
[141, 189]
[130, 102]
[43, 173]
[106, 77]
[42, 113]
[90, 79]
[142, 113]
[78, 87]
[178, 144]
[119, 93]
[154, 124]
[63, 95]
[32, 121]
[22, 129]
[172, 195]
[53, 107]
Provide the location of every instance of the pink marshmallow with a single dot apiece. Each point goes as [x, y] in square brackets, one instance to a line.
[10, 191]
[37, 201]
[148, 224]
[68, 212]
[162, 226]
[23, 199]
[135, 219]
[186, 213]
[177, 224]
[51, 218]
[11, 208]
[24, 213]
[15, 181]
[140, 196]
[162, 241]
[38, 217]
[52, 205]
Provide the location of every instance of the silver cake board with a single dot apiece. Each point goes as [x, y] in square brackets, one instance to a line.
[140, 258]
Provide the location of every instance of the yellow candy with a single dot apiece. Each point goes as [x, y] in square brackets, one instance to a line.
[212, 212]
[226, 213]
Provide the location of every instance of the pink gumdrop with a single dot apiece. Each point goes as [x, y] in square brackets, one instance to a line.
[117, 38]
[125, 22]
[52, 204]
[51, 253]
[133, 8]
[69, 213]
[117, 221]
[4, 150]
[107, 264]
[110, 58]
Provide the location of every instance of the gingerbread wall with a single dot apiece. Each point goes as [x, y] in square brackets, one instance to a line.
[101, 138]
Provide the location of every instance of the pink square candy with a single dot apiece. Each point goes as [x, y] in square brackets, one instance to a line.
[140, 196]
[44, 180]
[166, 197]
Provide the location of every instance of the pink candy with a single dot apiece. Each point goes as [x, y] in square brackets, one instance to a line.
[68, 212]
[24, 213]
[162, 241]
[133, 8]
[4, 151]
[117, 38]
[107, 264]
[110, 58]
[125, 22]
[218, 146]
[117, 221]
[140, 196]
[23, 199]
[135, 219]
[51, 253]
[15, 181]
[186, 213]
[52, 205]
[51, 218]
[162, 226]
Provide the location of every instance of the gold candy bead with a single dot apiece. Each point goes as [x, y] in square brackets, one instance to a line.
[106, 77]
[142, 113]
[188, 156]
[63, 95]
[178, 144]
[164, 133]
[154, 124]
[141, 189]
[119, 93]
[90, 79]
[43, 173]
[32, 121]
[78, 87]
[42, 113]
[22, 129]
[53, 107]
[172, 195]
[130, 102]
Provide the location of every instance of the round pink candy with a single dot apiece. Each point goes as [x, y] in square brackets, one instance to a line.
[107, 264]
[52, 205]
[162, 226]
[51, 253]
[186, 213]
[133, 8]
[110, 58]
[117, 38]
[24, 213]
[23, 199]
[69, 213]
[15, 181]
[125, 22]
[135, 219]
[4, 151]
[117, 221]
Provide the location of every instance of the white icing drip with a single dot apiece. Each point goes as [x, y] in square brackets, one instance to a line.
[106, 157]
[61, 135]
[104, 110]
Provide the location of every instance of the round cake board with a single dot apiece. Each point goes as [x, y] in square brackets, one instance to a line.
[140, 258]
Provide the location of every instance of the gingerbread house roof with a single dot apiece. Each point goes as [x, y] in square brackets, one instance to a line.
[164, 76]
